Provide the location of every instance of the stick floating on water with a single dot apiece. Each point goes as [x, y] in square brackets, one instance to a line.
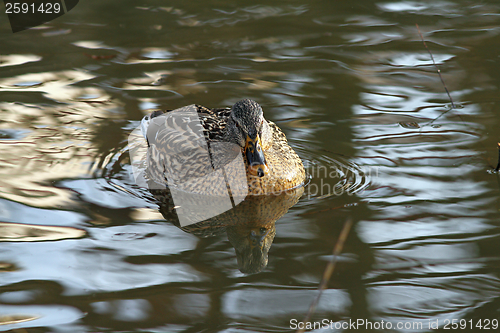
[437, 68]
[498, 164]
[328, 270]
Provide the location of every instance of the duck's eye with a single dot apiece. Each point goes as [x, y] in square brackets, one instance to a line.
[237, 125]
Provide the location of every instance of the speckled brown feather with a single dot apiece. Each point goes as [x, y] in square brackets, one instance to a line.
[285, 167]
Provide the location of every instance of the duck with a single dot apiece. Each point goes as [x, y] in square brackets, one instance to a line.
[184, 147]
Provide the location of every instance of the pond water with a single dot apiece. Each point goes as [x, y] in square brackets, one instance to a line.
[84, 249]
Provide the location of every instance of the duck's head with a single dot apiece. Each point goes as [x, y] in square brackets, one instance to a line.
[252, 244]
[247, 128]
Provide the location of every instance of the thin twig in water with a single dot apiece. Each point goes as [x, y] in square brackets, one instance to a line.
[328, 270]
[498, 164]
[328, 209]
[437, 68]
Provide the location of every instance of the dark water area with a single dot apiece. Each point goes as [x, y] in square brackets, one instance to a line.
[83, 248]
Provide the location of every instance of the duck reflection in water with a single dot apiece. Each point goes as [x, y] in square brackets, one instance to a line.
[223, 170]
[250, 226]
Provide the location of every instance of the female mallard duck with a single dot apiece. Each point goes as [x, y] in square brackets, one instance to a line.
[271, 165]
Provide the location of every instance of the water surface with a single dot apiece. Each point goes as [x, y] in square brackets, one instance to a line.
[84, 249]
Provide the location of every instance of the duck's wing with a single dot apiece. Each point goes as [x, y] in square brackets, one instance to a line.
[177, 146]
[213, 121]
[179, 143]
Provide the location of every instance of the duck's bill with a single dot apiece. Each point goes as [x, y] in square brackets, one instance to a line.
[255, 157]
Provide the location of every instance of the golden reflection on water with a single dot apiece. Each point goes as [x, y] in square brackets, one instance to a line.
[7, 267]
[51, 142]
[17, 232]
[17, 59]
[54, 85]
[16, 319]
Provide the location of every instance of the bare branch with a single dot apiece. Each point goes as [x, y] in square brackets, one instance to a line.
[328, 270]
